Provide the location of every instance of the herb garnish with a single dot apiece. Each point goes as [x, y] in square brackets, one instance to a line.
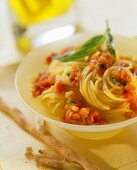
[114, 80]
[110, 41]
[101, 65]
[68, 74]
[124, 82]
[71, 102]
[88, 48]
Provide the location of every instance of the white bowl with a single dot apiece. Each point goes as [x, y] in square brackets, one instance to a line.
[33, 64]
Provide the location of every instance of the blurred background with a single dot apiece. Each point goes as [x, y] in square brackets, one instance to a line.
[28, 24]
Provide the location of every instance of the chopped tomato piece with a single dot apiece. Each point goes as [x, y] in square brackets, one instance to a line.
[134, 71]
[130, 93]
[84, 112]
[68, 115]
[75, 67]
[50, 58]
[122, 75]
[96, 117]
[75, 116]
[68, 106]
[60, 87]
[41, 83]
[75, 75]
[92, 66]
[132, 102]
[71, 95]
[130, 115]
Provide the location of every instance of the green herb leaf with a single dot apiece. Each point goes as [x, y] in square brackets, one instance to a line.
[124, 82]
[110, 41]
[68, 74]
[101, 65]
[114, 80]
[71, 102]
[86, 49]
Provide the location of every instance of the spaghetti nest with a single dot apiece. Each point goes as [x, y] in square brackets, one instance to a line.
[98, 89]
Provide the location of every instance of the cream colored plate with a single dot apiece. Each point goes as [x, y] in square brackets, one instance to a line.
[33, 64]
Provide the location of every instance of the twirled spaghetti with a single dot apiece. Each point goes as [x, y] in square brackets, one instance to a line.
[96, 89]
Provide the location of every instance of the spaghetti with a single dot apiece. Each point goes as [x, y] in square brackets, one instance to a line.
[96, 89]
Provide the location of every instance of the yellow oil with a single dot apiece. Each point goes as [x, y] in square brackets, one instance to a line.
[33, 11]
[29, 12]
